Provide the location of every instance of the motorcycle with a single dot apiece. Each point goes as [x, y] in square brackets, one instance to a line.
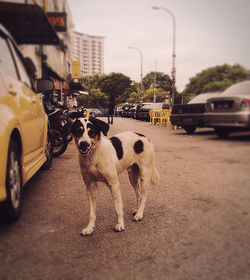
[59, 138]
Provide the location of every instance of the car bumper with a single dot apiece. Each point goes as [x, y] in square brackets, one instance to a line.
[241, 119]
[191, 120]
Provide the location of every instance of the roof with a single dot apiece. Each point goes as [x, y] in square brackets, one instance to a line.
[28, 24]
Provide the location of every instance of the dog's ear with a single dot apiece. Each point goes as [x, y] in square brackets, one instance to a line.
[100, 125]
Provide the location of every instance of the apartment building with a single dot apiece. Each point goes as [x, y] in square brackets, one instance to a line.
[89, 50]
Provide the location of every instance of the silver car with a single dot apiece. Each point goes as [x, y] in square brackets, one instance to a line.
[231, 111]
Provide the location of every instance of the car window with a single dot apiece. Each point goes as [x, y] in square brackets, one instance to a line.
[242, 88]
[203, 97]
[21, 68]
[6, 59]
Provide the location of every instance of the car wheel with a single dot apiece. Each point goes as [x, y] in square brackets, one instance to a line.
[222, 132]
[49, 154]
[11, 208]
[189, 129]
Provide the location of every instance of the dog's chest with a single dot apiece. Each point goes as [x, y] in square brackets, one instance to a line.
[91, 171]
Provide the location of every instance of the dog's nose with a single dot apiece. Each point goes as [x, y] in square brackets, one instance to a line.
[84, 145]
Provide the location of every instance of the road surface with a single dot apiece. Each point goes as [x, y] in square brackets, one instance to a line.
[196, 223]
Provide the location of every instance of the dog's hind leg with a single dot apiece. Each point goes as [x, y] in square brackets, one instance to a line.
[114, 187]
[144, 181]
[133, 173]
[91, 190]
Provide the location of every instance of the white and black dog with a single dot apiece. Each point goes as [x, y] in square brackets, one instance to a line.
[102, 159]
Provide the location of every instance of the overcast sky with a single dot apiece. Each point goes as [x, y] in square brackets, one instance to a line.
[208, 33]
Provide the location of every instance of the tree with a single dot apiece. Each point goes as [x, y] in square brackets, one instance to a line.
[95, 98]
[160, 95]
[216, 78]
[114, 84]
[163, 81]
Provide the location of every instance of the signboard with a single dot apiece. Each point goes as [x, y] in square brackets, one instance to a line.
[58, 21]
[76, 69]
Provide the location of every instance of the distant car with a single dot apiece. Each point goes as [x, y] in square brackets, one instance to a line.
[25, 145]
[191, 115]
[143, 113]
[231, 111]
[118, 111]
[132, 110]
[125, 109]
[95, 112]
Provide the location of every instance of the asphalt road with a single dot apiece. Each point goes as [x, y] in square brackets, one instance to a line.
[196, 223]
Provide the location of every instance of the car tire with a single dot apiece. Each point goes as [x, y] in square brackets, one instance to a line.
[222, 132]
[49, 154]
[189, 129]
[12, 207]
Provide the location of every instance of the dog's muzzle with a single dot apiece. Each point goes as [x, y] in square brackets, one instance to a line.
[84, 147]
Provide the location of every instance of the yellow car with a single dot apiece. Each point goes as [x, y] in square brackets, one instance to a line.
[24, 141]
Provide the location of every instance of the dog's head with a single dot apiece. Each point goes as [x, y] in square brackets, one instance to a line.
[87, 132]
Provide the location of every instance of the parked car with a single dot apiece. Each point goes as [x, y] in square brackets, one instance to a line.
[95, 112]
[231, 111]
[118, 111]
[143, 111]
[25, 145]
[125, 109]
[191, 115]
[132, 110]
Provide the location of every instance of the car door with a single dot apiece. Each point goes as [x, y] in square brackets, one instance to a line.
[22, 101]
[33, 118]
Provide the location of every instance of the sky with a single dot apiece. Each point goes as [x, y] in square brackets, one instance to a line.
[208, 33]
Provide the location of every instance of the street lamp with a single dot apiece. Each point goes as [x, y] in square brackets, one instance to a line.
[173, 55]
[141, 68]
[155, 83]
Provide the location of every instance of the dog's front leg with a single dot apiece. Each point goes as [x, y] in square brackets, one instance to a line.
[116, 193]
[91, 190]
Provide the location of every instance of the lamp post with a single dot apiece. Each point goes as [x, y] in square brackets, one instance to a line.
[155, 83]
[173, 53]
[141, 68]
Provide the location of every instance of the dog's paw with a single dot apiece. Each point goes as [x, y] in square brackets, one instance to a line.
[138, 217]
[134, 212]
[119, 227]
[87, 231]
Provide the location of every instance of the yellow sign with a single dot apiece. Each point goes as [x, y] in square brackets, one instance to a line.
[76, 69]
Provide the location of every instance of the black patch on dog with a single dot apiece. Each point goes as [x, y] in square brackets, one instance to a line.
[77, 129]
[140, 134]
[93, 131]
[118, 146]
[138, 147]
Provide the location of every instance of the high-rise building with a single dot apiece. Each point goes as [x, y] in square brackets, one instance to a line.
[89, 50]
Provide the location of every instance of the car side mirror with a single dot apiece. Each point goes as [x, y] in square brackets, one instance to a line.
[44, 85]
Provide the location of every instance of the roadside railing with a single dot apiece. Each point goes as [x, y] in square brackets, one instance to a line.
[161, 117]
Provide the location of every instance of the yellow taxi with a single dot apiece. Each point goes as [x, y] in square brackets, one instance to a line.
[24, 141]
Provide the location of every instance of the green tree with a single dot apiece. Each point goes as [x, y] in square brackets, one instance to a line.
[114, 85]
[95, 98]
[160, 95]
[216, 78]
[163, 81]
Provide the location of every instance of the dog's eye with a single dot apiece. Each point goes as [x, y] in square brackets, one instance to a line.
[91, 133]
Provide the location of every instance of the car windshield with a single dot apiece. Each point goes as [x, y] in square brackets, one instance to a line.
[203, 97]
[242, 88]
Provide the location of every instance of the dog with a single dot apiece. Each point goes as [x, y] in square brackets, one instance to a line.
[101, 159]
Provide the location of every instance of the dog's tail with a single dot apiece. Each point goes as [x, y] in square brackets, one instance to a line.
[155, 176]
